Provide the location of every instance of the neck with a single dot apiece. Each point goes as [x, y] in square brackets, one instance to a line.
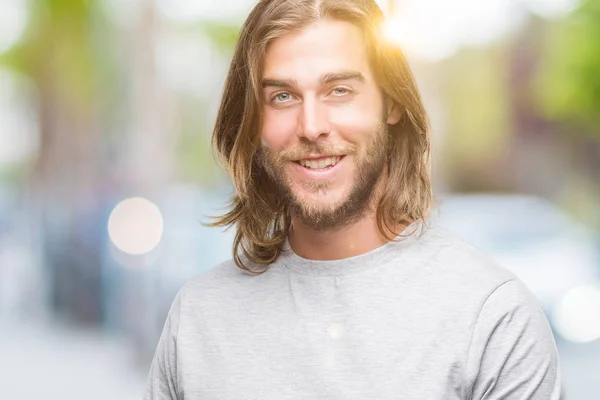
[350, 241]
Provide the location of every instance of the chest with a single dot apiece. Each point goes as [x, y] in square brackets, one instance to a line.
[339, 350]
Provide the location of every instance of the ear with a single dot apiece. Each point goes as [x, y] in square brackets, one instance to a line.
[394, 111]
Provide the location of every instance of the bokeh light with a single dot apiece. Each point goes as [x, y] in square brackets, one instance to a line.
[135, 226]
[577, 315]
[13, 21]
[551, 8]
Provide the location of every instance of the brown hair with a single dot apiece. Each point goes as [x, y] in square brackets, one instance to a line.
[261, 217]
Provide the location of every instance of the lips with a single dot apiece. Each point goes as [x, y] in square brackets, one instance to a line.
[320, 163]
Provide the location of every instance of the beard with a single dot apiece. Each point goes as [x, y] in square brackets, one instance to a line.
[371, 162]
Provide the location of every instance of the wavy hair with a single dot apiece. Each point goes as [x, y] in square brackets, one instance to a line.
[261, 216]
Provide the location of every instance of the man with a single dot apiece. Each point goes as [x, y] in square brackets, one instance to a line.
[338, 288]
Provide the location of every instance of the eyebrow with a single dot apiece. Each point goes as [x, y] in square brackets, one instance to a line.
[325, 79]
[279, 83]
[343, 76]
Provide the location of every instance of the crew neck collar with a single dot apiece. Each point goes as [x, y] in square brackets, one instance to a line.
[345, 266]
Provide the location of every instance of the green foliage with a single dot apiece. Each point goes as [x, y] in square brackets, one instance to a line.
[57, 48]
[475, 94]
[194, 152]
[568, 87]
[224, 35]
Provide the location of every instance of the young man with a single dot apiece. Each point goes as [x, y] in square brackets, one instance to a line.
[338, 289]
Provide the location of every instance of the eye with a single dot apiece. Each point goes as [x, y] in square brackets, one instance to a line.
[282, 97]
[341, 91]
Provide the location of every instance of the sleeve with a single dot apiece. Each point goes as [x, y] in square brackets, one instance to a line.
[161, 383]
[512, 354]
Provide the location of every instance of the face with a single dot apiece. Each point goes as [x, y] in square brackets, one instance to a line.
[324, 136]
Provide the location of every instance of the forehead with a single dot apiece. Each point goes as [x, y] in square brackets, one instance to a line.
[318, 49]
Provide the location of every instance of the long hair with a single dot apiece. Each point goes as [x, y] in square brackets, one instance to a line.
[261, 217]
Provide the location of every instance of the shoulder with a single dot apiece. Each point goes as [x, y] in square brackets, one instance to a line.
[514, 300]
[455, 260]
[451, 270]
[221, 277]
[225, 283]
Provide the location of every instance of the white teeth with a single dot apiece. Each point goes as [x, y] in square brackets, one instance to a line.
[321, 163]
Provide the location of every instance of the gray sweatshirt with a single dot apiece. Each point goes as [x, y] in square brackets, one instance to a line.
[427, 317]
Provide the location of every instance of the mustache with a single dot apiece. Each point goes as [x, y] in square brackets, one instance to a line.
[301, 152]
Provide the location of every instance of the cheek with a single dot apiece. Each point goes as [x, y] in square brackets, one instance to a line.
[359, 118]
[279, 128]
[354, 124]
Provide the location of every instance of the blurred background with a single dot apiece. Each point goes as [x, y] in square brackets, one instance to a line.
[106, 112]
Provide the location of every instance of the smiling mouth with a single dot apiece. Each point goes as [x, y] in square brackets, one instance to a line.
[320, 164]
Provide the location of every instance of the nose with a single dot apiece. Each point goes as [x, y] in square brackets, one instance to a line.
[315, 122]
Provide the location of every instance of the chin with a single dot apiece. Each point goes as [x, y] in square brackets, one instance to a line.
[330, 196]
[324, 204]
